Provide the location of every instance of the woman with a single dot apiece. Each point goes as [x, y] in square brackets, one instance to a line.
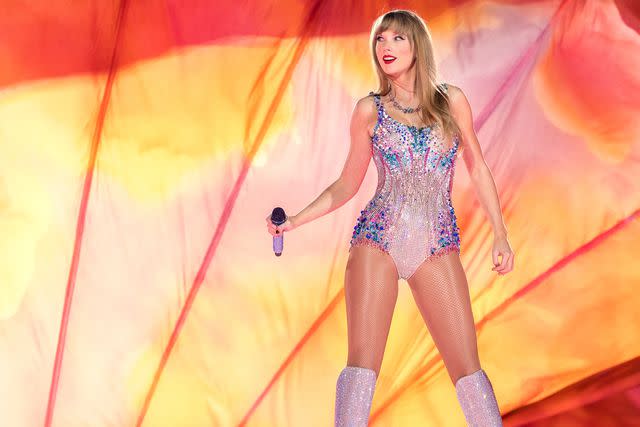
[414, 128]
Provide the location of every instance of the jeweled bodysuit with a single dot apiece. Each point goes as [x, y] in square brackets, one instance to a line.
[410, 216]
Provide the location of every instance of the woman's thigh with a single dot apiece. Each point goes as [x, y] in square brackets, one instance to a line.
[440, 289]
[371, 291]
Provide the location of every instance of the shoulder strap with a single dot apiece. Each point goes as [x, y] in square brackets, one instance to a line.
[445, 87]
[376, 98]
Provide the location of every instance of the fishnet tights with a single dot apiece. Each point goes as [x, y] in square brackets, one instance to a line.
[439, 287]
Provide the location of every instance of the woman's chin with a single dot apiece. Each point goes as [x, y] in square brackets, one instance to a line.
[392, 71]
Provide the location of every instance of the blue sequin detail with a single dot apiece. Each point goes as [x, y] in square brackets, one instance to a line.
[371, 224]
[411, 215]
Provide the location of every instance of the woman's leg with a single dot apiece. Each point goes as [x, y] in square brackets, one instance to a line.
[441, 292]
[371, 291]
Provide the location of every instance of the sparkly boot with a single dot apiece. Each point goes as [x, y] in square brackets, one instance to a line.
[478, 401]
[354, 393]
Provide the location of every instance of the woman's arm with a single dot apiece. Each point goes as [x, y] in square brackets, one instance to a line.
[482, 179]
[353, 171]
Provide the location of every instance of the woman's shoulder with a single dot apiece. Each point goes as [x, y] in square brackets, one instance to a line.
[450, 89]
[459, 104]
[367, 105]
[371, 99]
[365, 113]
[456, 97]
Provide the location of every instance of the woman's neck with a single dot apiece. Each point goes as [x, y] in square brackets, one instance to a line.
[403, 87]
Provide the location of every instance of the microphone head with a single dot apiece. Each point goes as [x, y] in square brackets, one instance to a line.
[278, 216]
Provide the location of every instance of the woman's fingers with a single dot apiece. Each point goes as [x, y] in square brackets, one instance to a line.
[499, 266]
[273, 229]
[511, 261]
[503, 264]
[506, 265]
[494, 255]
[496, 260]
[278, 230]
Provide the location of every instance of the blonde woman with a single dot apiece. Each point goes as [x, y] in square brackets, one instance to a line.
[414, 128]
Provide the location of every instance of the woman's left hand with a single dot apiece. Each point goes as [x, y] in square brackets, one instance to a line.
[501, 247]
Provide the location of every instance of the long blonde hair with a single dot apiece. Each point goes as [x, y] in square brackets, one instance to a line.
[431, 96]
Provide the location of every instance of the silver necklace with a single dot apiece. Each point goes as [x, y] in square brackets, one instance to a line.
[406, 110]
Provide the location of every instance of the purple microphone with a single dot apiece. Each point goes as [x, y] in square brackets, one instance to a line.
[278, 217]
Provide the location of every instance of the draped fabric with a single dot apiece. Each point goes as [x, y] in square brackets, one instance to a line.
[142, 144]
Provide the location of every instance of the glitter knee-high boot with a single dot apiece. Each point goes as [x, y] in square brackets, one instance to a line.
[354, 393]
[479, 405]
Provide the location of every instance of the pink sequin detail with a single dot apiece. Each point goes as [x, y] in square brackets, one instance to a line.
[410, 216]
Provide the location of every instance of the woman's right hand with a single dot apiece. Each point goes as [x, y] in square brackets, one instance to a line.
[278, 230]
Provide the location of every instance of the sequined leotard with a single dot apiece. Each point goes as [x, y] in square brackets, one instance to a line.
[410, 216]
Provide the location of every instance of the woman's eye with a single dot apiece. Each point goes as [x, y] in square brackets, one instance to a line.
[380, 38]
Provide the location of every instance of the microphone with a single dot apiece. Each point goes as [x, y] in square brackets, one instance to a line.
[278, 217]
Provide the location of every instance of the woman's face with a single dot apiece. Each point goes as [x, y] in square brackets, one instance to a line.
[394, 52]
